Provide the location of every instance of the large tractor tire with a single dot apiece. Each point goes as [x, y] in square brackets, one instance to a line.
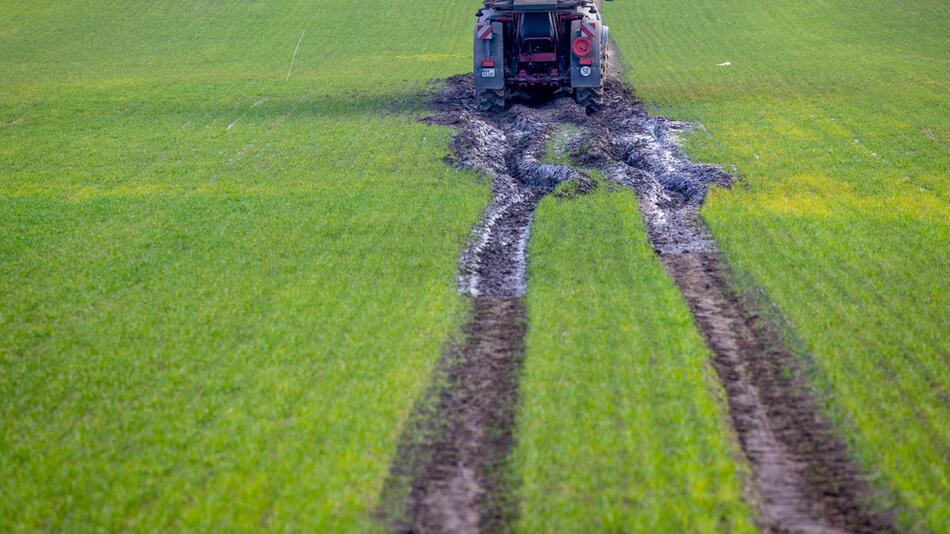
[490, 100]
[590, 98]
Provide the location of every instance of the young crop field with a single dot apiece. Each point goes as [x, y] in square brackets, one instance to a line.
[263, 266]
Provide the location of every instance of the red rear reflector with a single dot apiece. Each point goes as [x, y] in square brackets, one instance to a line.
[488, 63]
[582, 46]
[585, 61]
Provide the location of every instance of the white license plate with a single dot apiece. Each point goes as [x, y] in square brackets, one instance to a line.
[488, 73]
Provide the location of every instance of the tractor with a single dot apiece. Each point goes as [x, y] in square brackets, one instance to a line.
[539, 47]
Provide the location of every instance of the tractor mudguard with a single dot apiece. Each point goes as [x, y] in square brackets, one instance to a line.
[591, 30]
[492, 48]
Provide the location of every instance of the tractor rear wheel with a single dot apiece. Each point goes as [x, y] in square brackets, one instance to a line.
[590, 98]
[490, 100]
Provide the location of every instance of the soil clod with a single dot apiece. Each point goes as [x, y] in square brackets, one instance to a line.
[506, 148]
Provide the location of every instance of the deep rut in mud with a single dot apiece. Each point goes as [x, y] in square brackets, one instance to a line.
[450, 471]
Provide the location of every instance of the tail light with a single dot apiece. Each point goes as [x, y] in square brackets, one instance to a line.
[582, 46]
[488, 63]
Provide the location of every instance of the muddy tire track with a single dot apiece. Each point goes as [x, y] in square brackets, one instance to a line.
[450, 472]
[802, 476]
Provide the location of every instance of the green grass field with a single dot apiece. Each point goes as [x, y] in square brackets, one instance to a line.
[220, 291]
[223, 282]
[836, 115]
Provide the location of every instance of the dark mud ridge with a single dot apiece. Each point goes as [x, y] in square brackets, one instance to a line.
[451, 475]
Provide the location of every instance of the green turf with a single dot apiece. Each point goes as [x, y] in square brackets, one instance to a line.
[220, 290]
[836, 115]
[620, 429]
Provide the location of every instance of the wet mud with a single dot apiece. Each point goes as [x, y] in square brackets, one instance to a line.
[506, 149]
[450, 473]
